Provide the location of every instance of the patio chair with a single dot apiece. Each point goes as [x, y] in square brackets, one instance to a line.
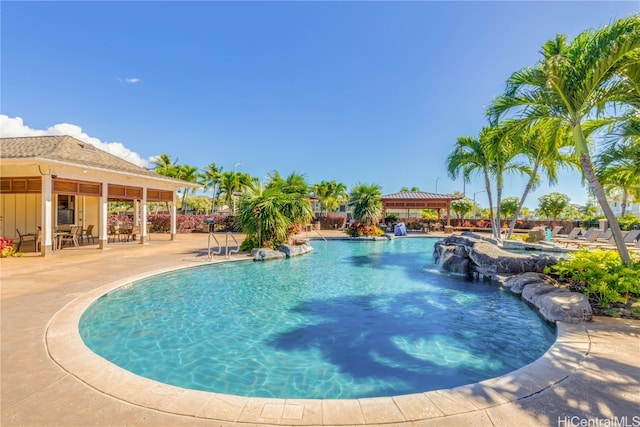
[114, 232]
[88, 233]
[25, 237]
[71, 237]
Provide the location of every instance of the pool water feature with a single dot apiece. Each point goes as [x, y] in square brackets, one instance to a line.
[350, 320]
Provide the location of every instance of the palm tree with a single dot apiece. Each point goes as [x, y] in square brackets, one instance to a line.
[575, 82]
[500, 146]
[271, 215]
[541, 146]
[366, 200]
[330, 194]
[232, 182]
[470, 158]
[163, 165]
[210, 179]
[190, 174]
[619, 168]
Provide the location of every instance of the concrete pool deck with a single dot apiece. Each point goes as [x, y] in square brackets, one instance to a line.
[48, 378]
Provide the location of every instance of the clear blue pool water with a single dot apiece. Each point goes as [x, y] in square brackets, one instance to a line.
[350, 320]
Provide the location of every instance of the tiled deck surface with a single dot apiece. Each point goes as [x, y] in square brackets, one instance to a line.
[50, 379]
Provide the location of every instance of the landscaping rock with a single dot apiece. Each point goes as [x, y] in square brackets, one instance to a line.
[470, 254]
[295, 250]
[264, 254]
[284, 251]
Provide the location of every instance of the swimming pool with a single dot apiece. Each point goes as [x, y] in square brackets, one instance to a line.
[352, 319]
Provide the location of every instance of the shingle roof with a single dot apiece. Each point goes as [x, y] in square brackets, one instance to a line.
[409, 195]
[67, 149]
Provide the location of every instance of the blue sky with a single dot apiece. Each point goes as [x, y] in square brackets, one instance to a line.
[370, 92]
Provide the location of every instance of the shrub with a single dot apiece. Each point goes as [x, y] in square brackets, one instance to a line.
[628, 222]
[601, 274]
[358, 229]
[7, 247]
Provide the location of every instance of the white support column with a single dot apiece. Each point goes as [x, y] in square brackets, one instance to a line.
[103, 233]
[46, 246]
[143, 218]
[174, 215]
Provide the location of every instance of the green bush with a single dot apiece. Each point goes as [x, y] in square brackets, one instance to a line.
[628, 222]
[601, 274]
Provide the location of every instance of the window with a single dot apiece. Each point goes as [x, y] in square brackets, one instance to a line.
[66, 209]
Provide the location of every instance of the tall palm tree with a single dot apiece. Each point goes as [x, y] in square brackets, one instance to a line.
[190, 174]
[231, 183]
[541, 146]
[501, 147]
[330, 194]
[470, 158]
[619, 168]
[211, 176]
[163, 165]
[575, 82]
[366, 200]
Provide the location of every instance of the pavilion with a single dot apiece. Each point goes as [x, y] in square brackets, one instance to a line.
[403, 203]
[53, 181]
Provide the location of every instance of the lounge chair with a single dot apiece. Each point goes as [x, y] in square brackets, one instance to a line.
[556, 231]
[631, 239]
[589, 237]
[606, 236]
[572, 234]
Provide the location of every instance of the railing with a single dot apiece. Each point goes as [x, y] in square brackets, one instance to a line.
[227, 251]
[210, 252]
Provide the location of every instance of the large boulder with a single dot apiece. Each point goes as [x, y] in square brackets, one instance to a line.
[473, 255]
[284, 251]
[295, 250]
[264, 254]
[485, 258]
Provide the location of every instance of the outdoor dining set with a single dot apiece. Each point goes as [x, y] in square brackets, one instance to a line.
[75, 235]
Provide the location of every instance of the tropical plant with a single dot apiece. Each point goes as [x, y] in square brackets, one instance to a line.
[190, 174]
[629, 222]
[462, 207]
[542, 148]
[232, 183]
[551, 205]
[509, 207]
[470, 158]
[574, 83]
[601, 274]
[618, 169]
[210, 178]
[366, 201]
[271, 215]
[330, 195]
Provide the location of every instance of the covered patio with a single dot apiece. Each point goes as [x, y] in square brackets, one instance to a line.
[50, 183]
[403, 203]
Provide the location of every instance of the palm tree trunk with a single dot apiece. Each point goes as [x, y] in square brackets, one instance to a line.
[595, 186]
[598, 191]
[527, 188]
[487, 185]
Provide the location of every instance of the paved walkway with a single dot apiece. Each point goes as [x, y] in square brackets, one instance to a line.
[591, 375]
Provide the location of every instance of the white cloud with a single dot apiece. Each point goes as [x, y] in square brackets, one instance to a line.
[130, 80]
[15, 127]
